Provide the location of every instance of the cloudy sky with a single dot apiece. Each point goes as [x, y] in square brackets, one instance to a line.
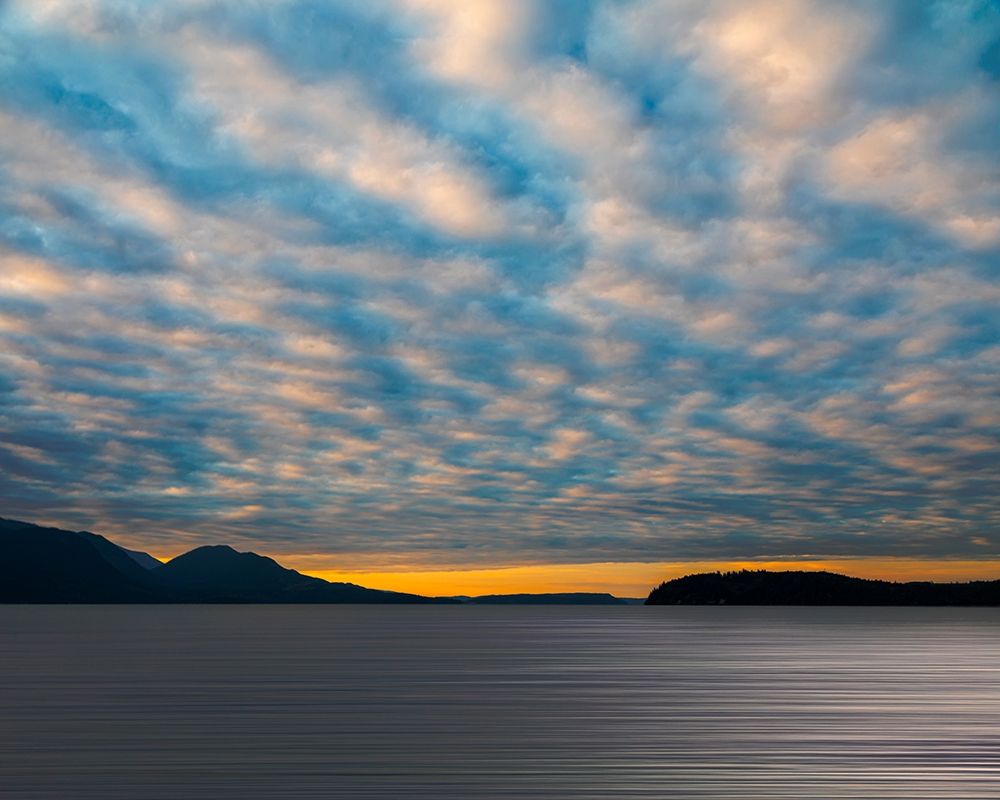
[426, 284]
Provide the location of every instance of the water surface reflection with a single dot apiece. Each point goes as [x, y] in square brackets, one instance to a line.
[133, 702]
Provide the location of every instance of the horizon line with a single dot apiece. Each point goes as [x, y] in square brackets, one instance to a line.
[621, 578]
[629, 579]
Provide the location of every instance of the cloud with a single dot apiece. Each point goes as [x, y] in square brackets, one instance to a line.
[398, 283]
[898, 162]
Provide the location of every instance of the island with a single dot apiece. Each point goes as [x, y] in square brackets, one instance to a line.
[804, 588]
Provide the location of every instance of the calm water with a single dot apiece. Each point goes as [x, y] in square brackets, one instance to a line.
[215, 702]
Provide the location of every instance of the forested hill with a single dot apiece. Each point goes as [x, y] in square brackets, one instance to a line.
[764, 588]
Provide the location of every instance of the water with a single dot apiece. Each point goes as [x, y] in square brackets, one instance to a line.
[174, 702]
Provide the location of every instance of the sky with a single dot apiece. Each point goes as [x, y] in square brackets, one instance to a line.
[519, 294]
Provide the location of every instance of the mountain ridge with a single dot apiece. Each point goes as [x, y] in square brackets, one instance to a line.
[39, 564]
[49, 565]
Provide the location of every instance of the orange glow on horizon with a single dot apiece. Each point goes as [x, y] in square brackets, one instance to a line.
[633, 579]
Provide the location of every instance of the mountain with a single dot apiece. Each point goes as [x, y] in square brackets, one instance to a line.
[549, 599]
[116, 556]
[49, 565]
[143, 559]
[220, 574]
[797, 588]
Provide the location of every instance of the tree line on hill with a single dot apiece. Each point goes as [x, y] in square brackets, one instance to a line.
[801, 588]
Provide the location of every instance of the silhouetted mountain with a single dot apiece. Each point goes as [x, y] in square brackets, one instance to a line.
[549, 599]
[143, 559]
[763, 588]
[117, 557]
[220, 574]
[49, 565]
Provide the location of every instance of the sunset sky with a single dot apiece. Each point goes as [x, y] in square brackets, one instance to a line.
[462, 295]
